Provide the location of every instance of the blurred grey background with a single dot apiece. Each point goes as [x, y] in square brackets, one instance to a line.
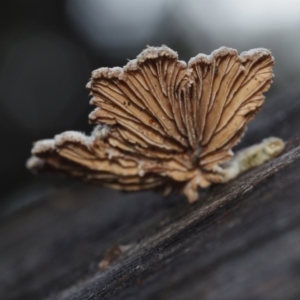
[49, 48]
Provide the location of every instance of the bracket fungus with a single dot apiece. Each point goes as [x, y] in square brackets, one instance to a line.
[164, 123]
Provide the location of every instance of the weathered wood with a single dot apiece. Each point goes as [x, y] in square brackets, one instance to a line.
[241, 241]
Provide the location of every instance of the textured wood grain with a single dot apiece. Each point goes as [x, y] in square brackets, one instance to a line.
[241, 242]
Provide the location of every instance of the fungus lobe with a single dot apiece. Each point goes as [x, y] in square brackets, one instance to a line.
[161, 121]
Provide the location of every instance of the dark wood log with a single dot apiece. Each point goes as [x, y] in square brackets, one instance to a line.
[240, 241]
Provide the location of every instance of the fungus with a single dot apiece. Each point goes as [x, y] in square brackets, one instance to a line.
[164, 123]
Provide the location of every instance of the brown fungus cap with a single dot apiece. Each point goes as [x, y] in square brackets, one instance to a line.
[162, 121]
